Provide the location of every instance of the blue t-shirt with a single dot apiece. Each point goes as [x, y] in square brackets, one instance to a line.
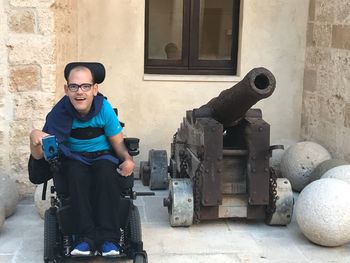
[106, 119]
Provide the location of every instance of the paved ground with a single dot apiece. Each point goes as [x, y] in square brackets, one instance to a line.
[21, 239]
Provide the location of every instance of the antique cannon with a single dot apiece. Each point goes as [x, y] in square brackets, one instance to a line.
[219, 164]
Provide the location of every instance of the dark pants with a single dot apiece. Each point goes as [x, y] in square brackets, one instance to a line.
[94, 192]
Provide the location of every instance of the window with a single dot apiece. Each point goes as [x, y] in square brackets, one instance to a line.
[191, 36]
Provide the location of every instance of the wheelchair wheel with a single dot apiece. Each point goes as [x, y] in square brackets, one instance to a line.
[135, 236]
[139, 258]
[50, 236]
[135, 225]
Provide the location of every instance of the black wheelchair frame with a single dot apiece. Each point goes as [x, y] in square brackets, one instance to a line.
[59, 232]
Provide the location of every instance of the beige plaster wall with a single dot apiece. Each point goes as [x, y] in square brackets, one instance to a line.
[272, 35]
[326, 97]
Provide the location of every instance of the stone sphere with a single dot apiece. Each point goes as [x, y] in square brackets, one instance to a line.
[340, 172]
[300, 160]
[275, 160]
[42, 205]
[322, 212]
[325, 166]
[2, 214]
[8, 194]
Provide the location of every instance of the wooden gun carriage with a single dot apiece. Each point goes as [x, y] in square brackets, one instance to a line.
[219, 163]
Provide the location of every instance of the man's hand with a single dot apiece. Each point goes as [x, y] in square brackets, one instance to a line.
[126, 168]
[36, 137]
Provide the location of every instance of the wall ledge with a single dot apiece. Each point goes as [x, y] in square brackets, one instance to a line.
[191, 78]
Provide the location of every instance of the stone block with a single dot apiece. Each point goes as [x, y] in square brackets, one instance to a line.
[341, 85]
[331, 109]
[24, 78]
[2, 91]
[341, 61]
[310, 35]
[19, 132]
[38, 123]
[311, 106]
[342, 11]
[327, 85]
[325, 133]
[37, 49]
[32, 3]
[324, 11]
[48, 80]
[322, 34]
[46, 22]
[310, 79]
[19, 154]
[23, 107]
[316, 57]
[341, 69]
[312, 10]
[22, 21]
[304, 127]
[32, 105]
[341, 36]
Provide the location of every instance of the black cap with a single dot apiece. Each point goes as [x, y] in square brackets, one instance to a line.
[97, 70]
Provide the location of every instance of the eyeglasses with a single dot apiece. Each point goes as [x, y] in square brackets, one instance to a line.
[84, 87]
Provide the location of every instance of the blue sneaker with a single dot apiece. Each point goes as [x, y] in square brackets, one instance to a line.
[82, 249]
[109, 249]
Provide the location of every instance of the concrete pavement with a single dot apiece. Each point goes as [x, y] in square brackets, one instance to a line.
[21, 239]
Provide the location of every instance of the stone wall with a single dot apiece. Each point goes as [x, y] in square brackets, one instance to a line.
[27, 80]
[326, 96]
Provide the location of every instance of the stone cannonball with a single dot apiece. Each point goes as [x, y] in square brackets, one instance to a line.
[42, 205]
[325, 166]
[300, 160]
[322, 212]
[340, 172]
[2, 214]
[275, 160]
[8, 194]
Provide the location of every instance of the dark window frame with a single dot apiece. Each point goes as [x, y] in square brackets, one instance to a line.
[189, 64]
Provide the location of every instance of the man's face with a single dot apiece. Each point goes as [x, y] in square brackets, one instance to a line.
[81, 99]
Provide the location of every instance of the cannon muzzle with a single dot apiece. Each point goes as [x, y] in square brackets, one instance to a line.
[232, 104]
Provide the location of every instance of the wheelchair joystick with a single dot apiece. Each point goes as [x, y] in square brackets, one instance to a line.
[50, 151]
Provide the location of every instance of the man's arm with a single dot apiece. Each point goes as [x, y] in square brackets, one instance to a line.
[117, 142]
[36, 143]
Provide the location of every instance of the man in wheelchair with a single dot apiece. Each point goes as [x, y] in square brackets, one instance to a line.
[93, 159]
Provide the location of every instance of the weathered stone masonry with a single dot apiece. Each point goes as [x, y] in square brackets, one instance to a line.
[27, 79]
[326, 98]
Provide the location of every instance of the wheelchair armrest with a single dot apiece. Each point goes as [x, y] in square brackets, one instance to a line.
[132, 144]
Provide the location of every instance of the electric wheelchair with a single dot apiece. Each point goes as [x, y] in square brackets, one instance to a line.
[59, 229]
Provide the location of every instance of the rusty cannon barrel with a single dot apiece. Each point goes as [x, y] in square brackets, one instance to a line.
[232, 104]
